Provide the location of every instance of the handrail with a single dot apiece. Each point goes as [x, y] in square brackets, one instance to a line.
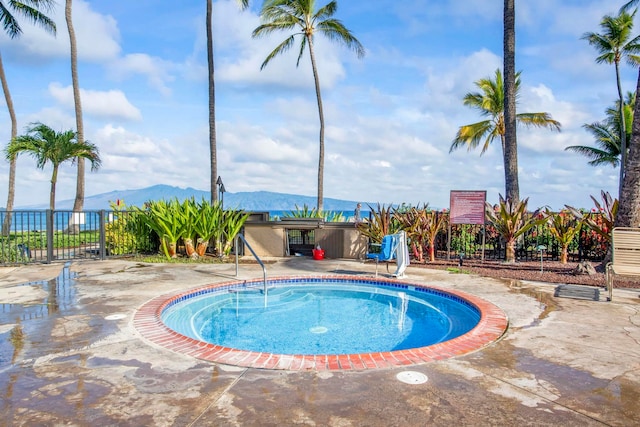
[264, 270]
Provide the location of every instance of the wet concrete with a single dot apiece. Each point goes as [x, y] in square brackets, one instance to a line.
[69, 356]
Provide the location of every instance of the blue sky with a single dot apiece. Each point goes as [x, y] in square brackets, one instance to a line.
[390, 117]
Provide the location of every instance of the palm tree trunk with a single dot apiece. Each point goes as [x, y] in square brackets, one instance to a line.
[79, 200]
[212, 107]
[52, 194]
[316, 79]
[629, 206]
[623, 132]
[511, 146]
[6, 225]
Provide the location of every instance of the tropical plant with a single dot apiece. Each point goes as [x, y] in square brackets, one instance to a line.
[422, 226]
[48, 146]
[564, 226]
[33, 11]
[306, 212]
[510, 144]
[232, 223]
[382, 223]
[302, 19]
[613, 45]
[165, 219]
[303, 212]
[511, 221]
[207, 225]
[490, 102]
[607, 135]
[212, 98]
[188, 217]
[603, 218]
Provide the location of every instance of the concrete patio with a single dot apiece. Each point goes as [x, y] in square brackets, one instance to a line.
[69, 355]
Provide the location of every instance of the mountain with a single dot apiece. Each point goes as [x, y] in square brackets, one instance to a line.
[250, 201]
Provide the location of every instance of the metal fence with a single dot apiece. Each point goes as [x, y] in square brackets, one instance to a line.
[47, 236]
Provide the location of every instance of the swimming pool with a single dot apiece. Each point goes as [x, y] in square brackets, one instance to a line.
[326, 322]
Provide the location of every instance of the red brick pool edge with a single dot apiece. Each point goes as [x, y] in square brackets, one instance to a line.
[491, 327]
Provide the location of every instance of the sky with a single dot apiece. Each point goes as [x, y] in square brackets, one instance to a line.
[390, 117]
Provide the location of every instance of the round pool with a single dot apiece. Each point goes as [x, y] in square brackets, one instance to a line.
[328, 322]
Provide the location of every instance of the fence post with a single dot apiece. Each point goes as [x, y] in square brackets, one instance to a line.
[103, 236]
[50, 225]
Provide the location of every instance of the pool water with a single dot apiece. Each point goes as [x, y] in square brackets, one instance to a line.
[334, 317]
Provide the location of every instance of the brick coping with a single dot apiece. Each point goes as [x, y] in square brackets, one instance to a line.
[491, 327]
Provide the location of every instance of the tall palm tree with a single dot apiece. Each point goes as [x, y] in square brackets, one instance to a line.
[613, 45]
[213, 149]
[490, 102]
[301, 18]
[77, 102]
[628, 214]
[607, 135]
[510, 142]
[32, 10]
[46, 145]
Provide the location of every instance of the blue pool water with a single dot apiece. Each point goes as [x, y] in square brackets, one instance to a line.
[321, 317]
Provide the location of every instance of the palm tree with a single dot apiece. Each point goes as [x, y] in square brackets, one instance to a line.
[31, 10]
[302, 19]
[48, 146]
[490, 102]
[614, 45]
[79, 200]
[607, 135]
[510, 142]
[628, 214]
[212, 99]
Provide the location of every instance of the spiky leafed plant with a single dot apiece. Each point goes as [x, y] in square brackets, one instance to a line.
[422, 226]
[511, 220]
[564, 226]
[602, 219]
[381, 224]
[301, 19]
[165, 219]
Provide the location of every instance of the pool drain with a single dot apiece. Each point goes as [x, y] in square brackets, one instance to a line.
[318, 330]
[117, 316]
[412, 377]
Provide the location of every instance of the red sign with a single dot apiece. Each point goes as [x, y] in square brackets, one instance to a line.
[467, 207]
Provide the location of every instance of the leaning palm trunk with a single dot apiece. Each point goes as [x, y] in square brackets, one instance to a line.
[79, 200]
[6, 225]
[316, 80]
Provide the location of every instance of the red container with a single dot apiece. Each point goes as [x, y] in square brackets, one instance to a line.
[318, 254]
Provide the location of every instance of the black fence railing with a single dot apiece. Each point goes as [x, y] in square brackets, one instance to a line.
[47, 236]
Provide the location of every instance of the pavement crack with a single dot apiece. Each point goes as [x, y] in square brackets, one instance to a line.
[217, 399]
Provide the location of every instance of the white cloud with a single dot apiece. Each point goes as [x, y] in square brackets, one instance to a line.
[110, 104]
[97, 37]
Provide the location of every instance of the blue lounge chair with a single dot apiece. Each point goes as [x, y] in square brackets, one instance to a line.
[387, 251]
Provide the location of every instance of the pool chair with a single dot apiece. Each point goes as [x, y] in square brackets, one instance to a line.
[393, 248]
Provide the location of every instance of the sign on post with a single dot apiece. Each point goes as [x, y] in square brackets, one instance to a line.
[466, 207]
